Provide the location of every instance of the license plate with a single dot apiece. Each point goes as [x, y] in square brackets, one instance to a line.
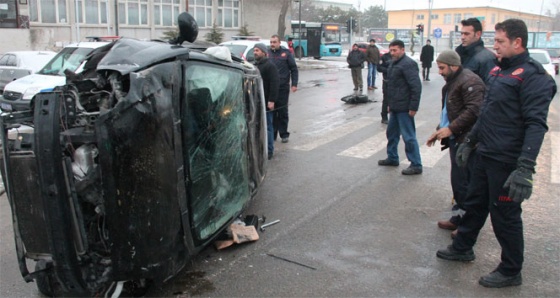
[6, 106]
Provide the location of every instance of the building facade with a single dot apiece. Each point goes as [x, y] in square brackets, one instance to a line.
[447, 19]
[52, 24]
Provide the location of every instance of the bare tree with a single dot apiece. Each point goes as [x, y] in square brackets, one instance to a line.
[282, 18]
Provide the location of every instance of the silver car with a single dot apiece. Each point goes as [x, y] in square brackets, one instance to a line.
[14, 65]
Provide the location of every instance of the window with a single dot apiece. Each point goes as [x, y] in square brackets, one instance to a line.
[166, 12]
[8, 60]
[201, 10]
[48, 11]
[493, 18]
[468, 15]
[215, 146]
[435, 16]
[457, 18]
[420, 17]
[95, 11]
[8, 14]
[447, 18]
[228, 13]
[133, 12]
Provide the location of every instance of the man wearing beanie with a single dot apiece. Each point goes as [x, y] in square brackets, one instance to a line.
[271, 82]
[462, 97]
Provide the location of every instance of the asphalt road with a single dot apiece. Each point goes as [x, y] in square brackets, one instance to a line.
[349, 228]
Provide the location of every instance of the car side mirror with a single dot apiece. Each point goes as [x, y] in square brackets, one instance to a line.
[188, 29]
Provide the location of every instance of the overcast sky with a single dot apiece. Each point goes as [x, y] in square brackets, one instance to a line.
[531, 6]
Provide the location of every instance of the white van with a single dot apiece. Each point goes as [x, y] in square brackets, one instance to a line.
[18, 94]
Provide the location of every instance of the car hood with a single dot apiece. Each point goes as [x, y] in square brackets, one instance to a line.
[37, 81]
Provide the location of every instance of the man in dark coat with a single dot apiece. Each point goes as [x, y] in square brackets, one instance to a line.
[427, 57]
[288, 74]
[383, 67]
[508, 135]
[355, 61]
[404, 89]
[474, 55]
[269, 75]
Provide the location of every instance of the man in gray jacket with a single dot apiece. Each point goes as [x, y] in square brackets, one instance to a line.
[403, 89]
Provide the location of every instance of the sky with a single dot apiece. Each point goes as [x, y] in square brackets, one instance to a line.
[530, 6]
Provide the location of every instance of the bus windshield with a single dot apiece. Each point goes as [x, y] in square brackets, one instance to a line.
[331, 36]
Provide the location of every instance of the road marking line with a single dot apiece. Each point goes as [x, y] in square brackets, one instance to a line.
[555, 158]
[367, 148]
[336, 133]
[431, 155]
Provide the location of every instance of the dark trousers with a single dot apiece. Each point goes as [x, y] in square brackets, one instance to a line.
[460, 177]
[425, 72]
[385, 103]
[486, 195]
[280, 117]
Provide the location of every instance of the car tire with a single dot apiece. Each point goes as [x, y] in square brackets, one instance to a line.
[44, 278]
[299, 52]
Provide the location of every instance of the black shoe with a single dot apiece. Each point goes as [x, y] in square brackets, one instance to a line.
[384, 121]
[451, 254]
[270, 155]
[355, 89]
[497, 280]
[427, 79]
[388, 162]
[412, 171]
[285, 140]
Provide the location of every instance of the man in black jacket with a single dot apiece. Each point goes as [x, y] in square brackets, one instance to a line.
[383, 66]
[355, 61]
[288, 75]
[404, 89]
[508, 134]
[427, 57]
[474, 55]
[269, 74]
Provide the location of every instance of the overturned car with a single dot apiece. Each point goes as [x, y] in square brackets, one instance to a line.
[119, 177]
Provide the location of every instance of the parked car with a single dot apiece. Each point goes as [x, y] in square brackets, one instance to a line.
[134, 166]
[244, 48]
[14, 65]
[555, 57]
[18, 94]
[543, 58]
[362, 46]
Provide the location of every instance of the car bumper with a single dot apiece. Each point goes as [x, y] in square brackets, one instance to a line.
[8, 105]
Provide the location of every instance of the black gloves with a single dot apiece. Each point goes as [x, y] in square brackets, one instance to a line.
[520, 181]
[464, 150]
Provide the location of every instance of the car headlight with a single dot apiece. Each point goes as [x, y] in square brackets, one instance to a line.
[30, 92]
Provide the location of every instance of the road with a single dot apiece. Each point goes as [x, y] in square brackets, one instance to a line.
[350, 227]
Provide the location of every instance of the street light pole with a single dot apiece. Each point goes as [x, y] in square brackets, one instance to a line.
[299, 35]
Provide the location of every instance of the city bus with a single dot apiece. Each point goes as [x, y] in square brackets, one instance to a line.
[317, 39]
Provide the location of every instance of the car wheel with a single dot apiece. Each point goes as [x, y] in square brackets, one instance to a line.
[44, 278]
[299, 52]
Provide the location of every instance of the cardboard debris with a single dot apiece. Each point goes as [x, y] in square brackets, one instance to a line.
[240, 234]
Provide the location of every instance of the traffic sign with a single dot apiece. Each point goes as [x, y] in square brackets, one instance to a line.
[437, 32]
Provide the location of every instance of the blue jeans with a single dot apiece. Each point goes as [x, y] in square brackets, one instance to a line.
[270, 132]
[371, 73]
[402, 124]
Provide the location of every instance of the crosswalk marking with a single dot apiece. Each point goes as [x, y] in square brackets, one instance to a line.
[555, 158]
[337, 133]
[367, 148]
[431, 155]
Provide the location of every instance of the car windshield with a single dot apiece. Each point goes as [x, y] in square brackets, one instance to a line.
[215, 128]
[540, 57]
[68, 58]
[236, 49]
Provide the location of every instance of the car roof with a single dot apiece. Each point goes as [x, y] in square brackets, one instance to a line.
[88, 44]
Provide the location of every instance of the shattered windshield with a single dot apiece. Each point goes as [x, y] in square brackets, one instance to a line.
[68, 58]
[215, 130]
